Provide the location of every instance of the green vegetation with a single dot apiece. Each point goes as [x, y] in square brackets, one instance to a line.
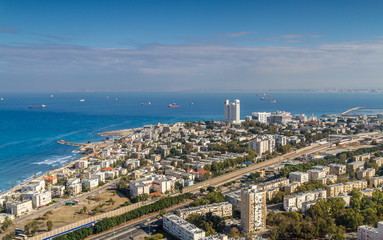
[310, 186]
[108, 223]
[328, 217]
[210, 198]
[303, 167]
[209, 223]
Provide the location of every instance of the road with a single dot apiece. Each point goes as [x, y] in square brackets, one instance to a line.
[134, 228]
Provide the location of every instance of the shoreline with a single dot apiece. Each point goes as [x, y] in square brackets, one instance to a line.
[80, 149]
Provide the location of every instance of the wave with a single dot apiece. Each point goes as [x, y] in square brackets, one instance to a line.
[58, 160]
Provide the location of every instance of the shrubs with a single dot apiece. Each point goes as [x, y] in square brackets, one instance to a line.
[108, 223]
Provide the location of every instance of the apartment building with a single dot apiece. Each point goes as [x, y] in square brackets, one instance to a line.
[365, 174]
[315, 174]
[378, 161]
[235, 199]
[356, 165]
[19, 207]
[370, 233]
[280, 183]
[292, 187]
[253, 209]
[224, 209]
[81, 164]
[156, 183]
[33, 186]
[294, 202]
[345, 188]
[300, 177]
[338, 169]
[376, 181]
[363, 157]
[181, 229]
[330, 179]
[90, 183]
[262, 144]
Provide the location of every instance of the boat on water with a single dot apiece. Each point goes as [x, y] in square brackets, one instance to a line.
[82, 100]
[146, 104]
[174, 105]
[52, 96]
[191, 103]
[274, 101]
[261, 95]
[1, 99]
[42, 106]
[268, 99]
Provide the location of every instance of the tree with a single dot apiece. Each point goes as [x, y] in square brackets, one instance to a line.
[210, 189]
[49, 225]
[6, 224]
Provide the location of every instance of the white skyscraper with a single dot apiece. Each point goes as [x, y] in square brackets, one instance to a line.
[232, 111]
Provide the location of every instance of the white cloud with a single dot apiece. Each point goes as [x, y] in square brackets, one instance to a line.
[156, 67]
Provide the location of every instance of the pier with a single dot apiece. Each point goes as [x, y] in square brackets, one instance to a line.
[71, 144]
[349, 111]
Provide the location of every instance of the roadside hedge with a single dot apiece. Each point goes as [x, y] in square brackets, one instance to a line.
[108, 223]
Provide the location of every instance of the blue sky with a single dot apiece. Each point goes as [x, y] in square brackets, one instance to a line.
[190, 45]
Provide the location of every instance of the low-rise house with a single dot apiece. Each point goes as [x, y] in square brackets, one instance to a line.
[50, 180]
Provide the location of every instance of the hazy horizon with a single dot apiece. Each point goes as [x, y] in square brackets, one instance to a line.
[209, 46]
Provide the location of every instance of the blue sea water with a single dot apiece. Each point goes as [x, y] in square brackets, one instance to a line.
[28, 137]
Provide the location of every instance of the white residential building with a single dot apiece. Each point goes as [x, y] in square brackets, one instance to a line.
[41, 199]
[294, 202]
[34, 186]
[261, 116]
[100, 176]
[263, 143]
[181, 229]
[300, 177]
[370, 233]
[224, 209]
[157, 183]
[232, 111]
[91, 183]
[19, 207]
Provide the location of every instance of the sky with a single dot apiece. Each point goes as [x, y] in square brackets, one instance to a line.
[209, 45]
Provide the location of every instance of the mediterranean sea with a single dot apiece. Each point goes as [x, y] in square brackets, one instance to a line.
[28, 137]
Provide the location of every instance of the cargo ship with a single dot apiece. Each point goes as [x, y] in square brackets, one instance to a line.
[274, 101]
[261, 95]
[173, 105]
[42, 106]
[146, 104]
[263, 98]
